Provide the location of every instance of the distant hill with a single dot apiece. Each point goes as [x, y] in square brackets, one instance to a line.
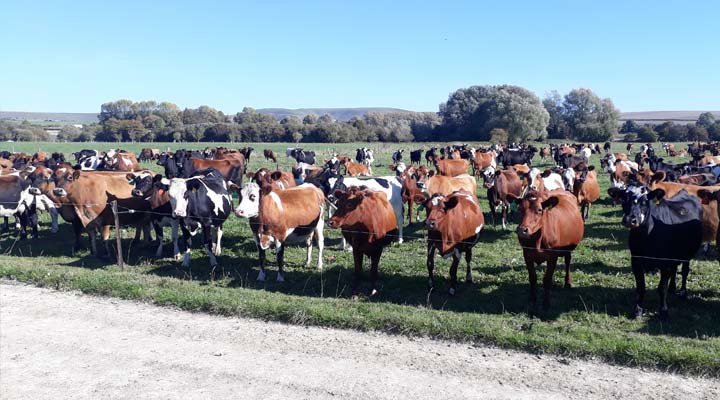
[341, 114]
[662, 116]
[49, 118]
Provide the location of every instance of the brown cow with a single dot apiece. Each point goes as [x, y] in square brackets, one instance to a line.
[482, 161]
[551, 227]
[368, 223]
[454, 223]
[289, 215]
[39, 157]
[278, 179]
[520, 169]
[586, 188]
[232, 169]
[544, 153]
[565, 149]
[499, 186]
[451, 167]
[269, 155]
[118, 161]
[709, 160]
[91, 192]
[357, 169]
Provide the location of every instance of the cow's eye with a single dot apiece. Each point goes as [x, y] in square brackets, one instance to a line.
[252, 197]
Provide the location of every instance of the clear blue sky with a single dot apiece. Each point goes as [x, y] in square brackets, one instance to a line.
[74, 55]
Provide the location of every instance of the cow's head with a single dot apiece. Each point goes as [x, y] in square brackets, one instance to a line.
[249, 204]
[635, 200]
[179, 191]
[532, 206]
[490, 175]
[348, 207]
[143, 182]
[438, 207]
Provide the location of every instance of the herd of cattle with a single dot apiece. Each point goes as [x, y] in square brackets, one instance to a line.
[670, 209]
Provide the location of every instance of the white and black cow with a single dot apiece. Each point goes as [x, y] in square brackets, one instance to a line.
[88, 160]
[16, 200]
[200, 202]
[151, 189]
[398, 156]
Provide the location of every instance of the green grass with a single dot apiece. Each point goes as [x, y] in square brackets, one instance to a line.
[590, 320]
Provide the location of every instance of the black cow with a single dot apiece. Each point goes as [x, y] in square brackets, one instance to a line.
[302, 156]
[200, 202]
[571, 161]
[415, 157]
[397, 156]
[168, 162]
[151, 188]
[664, 232]
[16, 200]
[607, 147]
[512, 157]
[430, 156]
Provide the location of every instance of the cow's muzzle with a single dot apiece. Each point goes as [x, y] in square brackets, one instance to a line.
[34, 191]
[60, 192]
[523, 231]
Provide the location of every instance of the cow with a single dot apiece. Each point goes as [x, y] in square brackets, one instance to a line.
[571, 161]
[430, 156]
[270, 155]
[281, 217]
[200, 202]
[607, 147]
[551, 227]
[148, 154]
[415, 156]
[511, 157]
[88, 160]
[16, 200]
[232, 170]
[544, 153]
[619, 172]
[114, 160]
[397, 156]
[629, 147]
[357, 169]
[481, 161]
[367, 221]
[451, 167]
[151, 188]
[167, 161]
[277, 179]
[664, 232]
[246, 152]
[91, 192]
[454, 224]
[500, 186]
[546, 180]
[586, 188]
[302, 156]
[364, 155]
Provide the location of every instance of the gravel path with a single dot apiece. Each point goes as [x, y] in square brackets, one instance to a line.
[66, 345]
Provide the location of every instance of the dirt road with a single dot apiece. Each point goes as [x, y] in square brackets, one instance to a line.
[65, 345]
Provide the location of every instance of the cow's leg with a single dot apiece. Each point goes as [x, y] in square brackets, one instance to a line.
[410, 211]
[54, 228]
[308, 249]
[431, 265]
[400, 221]
[77, 230]
[532, 277]
[218, 249]
[281, 262]
[548, 281]
[468, 257]
[568, 275]
[663, 291]
[22, 221]
[374, 265]
[639, 274]
[93, 241]
[138, 232]
[33, 221]
[188, 245]
[147, 238]
[683, 286]
[504, 216]
[320, 236]
[358, 260]
[207, 241]
[174, 225]
[453, 272]
[587, 211]
[159, 236]
[6, 225]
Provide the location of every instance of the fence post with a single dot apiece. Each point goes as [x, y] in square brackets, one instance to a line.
[118, 235]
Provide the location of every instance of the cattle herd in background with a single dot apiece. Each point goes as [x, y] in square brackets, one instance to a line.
[670, 208]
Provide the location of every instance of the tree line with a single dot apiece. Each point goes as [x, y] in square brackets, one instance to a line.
[498, 113]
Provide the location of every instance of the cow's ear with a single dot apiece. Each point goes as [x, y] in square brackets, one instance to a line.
[192, 184]
[658, 177]
[591, 168]
[551, 202]
[451, 203]
[265, 189]
[76, 175]
[249, 175]
[615, 194]
[656, 194]
[419, 198]
[706, 196]
[497, 173]
[546, 173]
[157, 178]
[276, 175]
[130, 177]
[431, 173]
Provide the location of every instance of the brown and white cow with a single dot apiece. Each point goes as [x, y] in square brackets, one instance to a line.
[551, 227]
[482, 161]
[368, 223]
[121, 161]
[269, 155]
[499, 186]
[283, 216]
[454, 223]
[357, 169]
[232, 169]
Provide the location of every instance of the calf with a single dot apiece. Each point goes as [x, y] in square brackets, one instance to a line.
[283, 216]
[269, 155]
[454, 223]
[664, 232]
[368, 223]
[586, 188]
[357, 169]
[551, 227]
[200, 202]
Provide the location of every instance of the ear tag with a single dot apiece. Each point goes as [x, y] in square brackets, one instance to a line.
[657, 202]
[194, 190]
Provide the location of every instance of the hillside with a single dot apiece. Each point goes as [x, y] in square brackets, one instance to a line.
[50, 118]
[662, 116]
[341, 114]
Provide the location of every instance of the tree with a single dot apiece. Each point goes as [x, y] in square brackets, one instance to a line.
[557, 128]
[697, 133]
[498, 136]
[629, 126]
[645, 134]
[706, 120]
[68, 133]
[470, 114]
[589, 117]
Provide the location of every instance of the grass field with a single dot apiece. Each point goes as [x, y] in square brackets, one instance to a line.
[591, 320]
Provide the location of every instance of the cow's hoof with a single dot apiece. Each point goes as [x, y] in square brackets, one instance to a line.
[280, 278]
[374, 292]
[261, 276]
[683, 294]
[452, 291]
[568, 285]
[664, 315]
[355, 297]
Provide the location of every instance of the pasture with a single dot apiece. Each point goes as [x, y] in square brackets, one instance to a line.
[590, 320]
